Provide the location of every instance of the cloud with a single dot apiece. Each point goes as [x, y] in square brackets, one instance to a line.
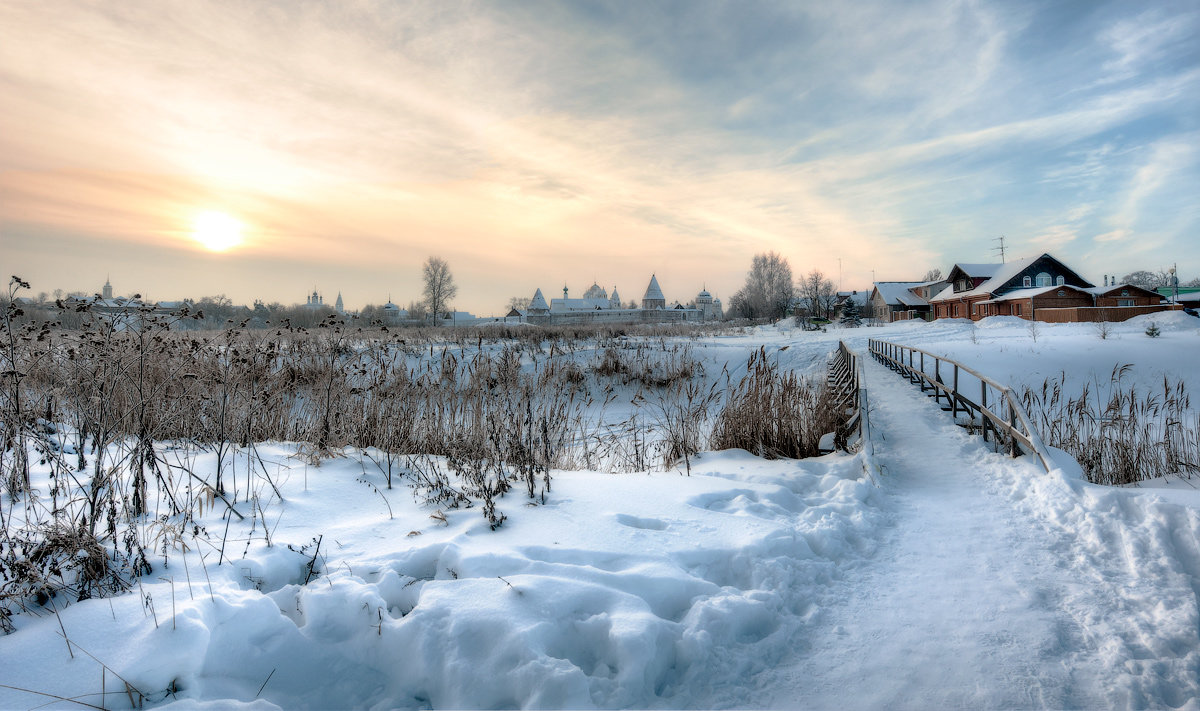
[562, 140]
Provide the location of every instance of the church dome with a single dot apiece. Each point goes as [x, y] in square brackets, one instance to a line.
[595, 291]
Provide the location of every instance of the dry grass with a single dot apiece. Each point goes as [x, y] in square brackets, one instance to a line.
[1119, 434]
[118, 415]
[774, 414]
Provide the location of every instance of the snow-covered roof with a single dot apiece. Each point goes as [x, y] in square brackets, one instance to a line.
[1102, 290]
[1016, 294]
[943, 294]
[859, 297]
[979, 270]
[1000, 274]
[898, 293]
[538, 303]
[653, 291]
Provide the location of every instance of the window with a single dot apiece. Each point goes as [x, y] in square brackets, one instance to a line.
[1124, 302]
[1061, 292]
[1059, 280]
[1027, 282]
[956, 311]
[1017, 309]
[1043, 279]
[1124, 292]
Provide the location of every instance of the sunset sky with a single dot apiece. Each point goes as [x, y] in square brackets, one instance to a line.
[338, 145]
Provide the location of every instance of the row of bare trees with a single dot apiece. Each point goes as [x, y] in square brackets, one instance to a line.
[771, 293]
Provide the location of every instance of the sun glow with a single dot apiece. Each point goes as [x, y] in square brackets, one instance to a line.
[217, 231]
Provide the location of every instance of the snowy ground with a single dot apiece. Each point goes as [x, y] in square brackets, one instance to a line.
[961, 579]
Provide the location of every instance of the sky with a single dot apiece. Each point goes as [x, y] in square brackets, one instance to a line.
[339, 145]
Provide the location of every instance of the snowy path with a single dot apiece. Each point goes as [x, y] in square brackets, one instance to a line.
[973, 600]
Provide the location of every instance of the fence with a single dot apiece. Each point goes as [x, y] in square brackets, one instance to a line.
[998, 411]
[845, 382]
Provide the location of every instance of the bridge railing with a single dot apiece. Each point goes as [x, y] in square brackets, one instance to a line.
[845, 382]
[973, 399]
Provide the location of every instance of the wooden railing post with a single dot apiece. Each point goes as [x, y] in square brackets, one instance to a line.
[937, 378]
[954, 400]
[983, 420]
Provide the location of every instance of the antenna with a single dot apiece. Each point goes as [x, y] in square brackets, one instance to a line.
[999, 249]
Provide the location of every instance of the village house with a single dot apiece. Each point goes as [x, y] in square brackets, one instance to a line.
[903, 300]
[1038, 288]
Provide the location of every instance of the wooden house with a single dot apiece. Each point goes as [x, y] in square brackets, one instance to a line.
[1038, 288]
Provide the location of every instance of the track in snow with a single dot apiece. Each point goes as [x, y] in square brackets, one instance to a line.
[970, 601]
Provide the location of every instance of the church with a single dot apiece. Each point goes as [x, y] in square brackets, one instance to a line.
[598, 306]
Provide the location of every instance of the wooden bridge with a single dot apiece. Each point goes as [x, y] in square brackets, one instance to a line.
[974, 400]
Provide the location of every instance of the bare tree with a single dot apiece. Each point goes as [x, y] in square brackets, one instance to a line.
[1148, 279]
[820, 294]
[768, 292]
[934, 274]
[416, 310]
[519, 303]
[867, 311]
[439, 286]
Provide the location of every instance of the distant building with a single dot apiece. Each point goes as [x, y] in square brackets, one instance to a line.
[392, 313]
[597, 306]
[653, 298]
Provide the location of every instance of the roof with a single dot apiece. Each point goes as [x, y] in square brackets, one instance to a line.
[978, 270]
[898, 293]
[1104, 290]
[538, 302]
[653, 291]
[1000, 274]
[1003, 275]
[1035, 291]
[859, 297]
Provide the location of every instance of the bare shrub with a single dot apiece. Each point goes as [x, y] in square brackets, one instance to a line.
[1118, 434]
[775, 414]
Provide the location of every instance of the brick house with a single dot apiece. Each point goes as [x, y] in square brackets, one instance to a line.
[1038, 288]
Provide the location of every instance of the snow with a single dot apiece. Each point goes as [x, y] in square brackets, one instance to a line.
[899, 292]
[962, 578]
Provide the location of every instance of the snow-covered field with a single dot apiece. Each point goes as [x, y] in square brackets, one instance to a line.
[961, 578]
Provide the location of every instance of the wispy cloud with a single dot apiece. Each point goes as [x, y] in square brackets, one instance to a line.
[574, 142]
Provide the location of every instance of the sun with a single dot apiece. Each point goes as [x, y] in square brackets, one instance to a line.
[217, 231]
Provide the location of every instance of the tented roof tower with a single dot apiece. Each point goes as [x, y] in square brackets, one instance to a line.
[654, 298]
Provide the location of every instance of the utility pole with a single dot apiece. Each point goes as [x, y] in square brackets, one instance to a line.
[999, 249]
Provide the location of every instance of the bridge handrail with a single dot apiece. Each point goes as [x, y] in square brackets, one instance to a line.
[894, 355]
[845, 376]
